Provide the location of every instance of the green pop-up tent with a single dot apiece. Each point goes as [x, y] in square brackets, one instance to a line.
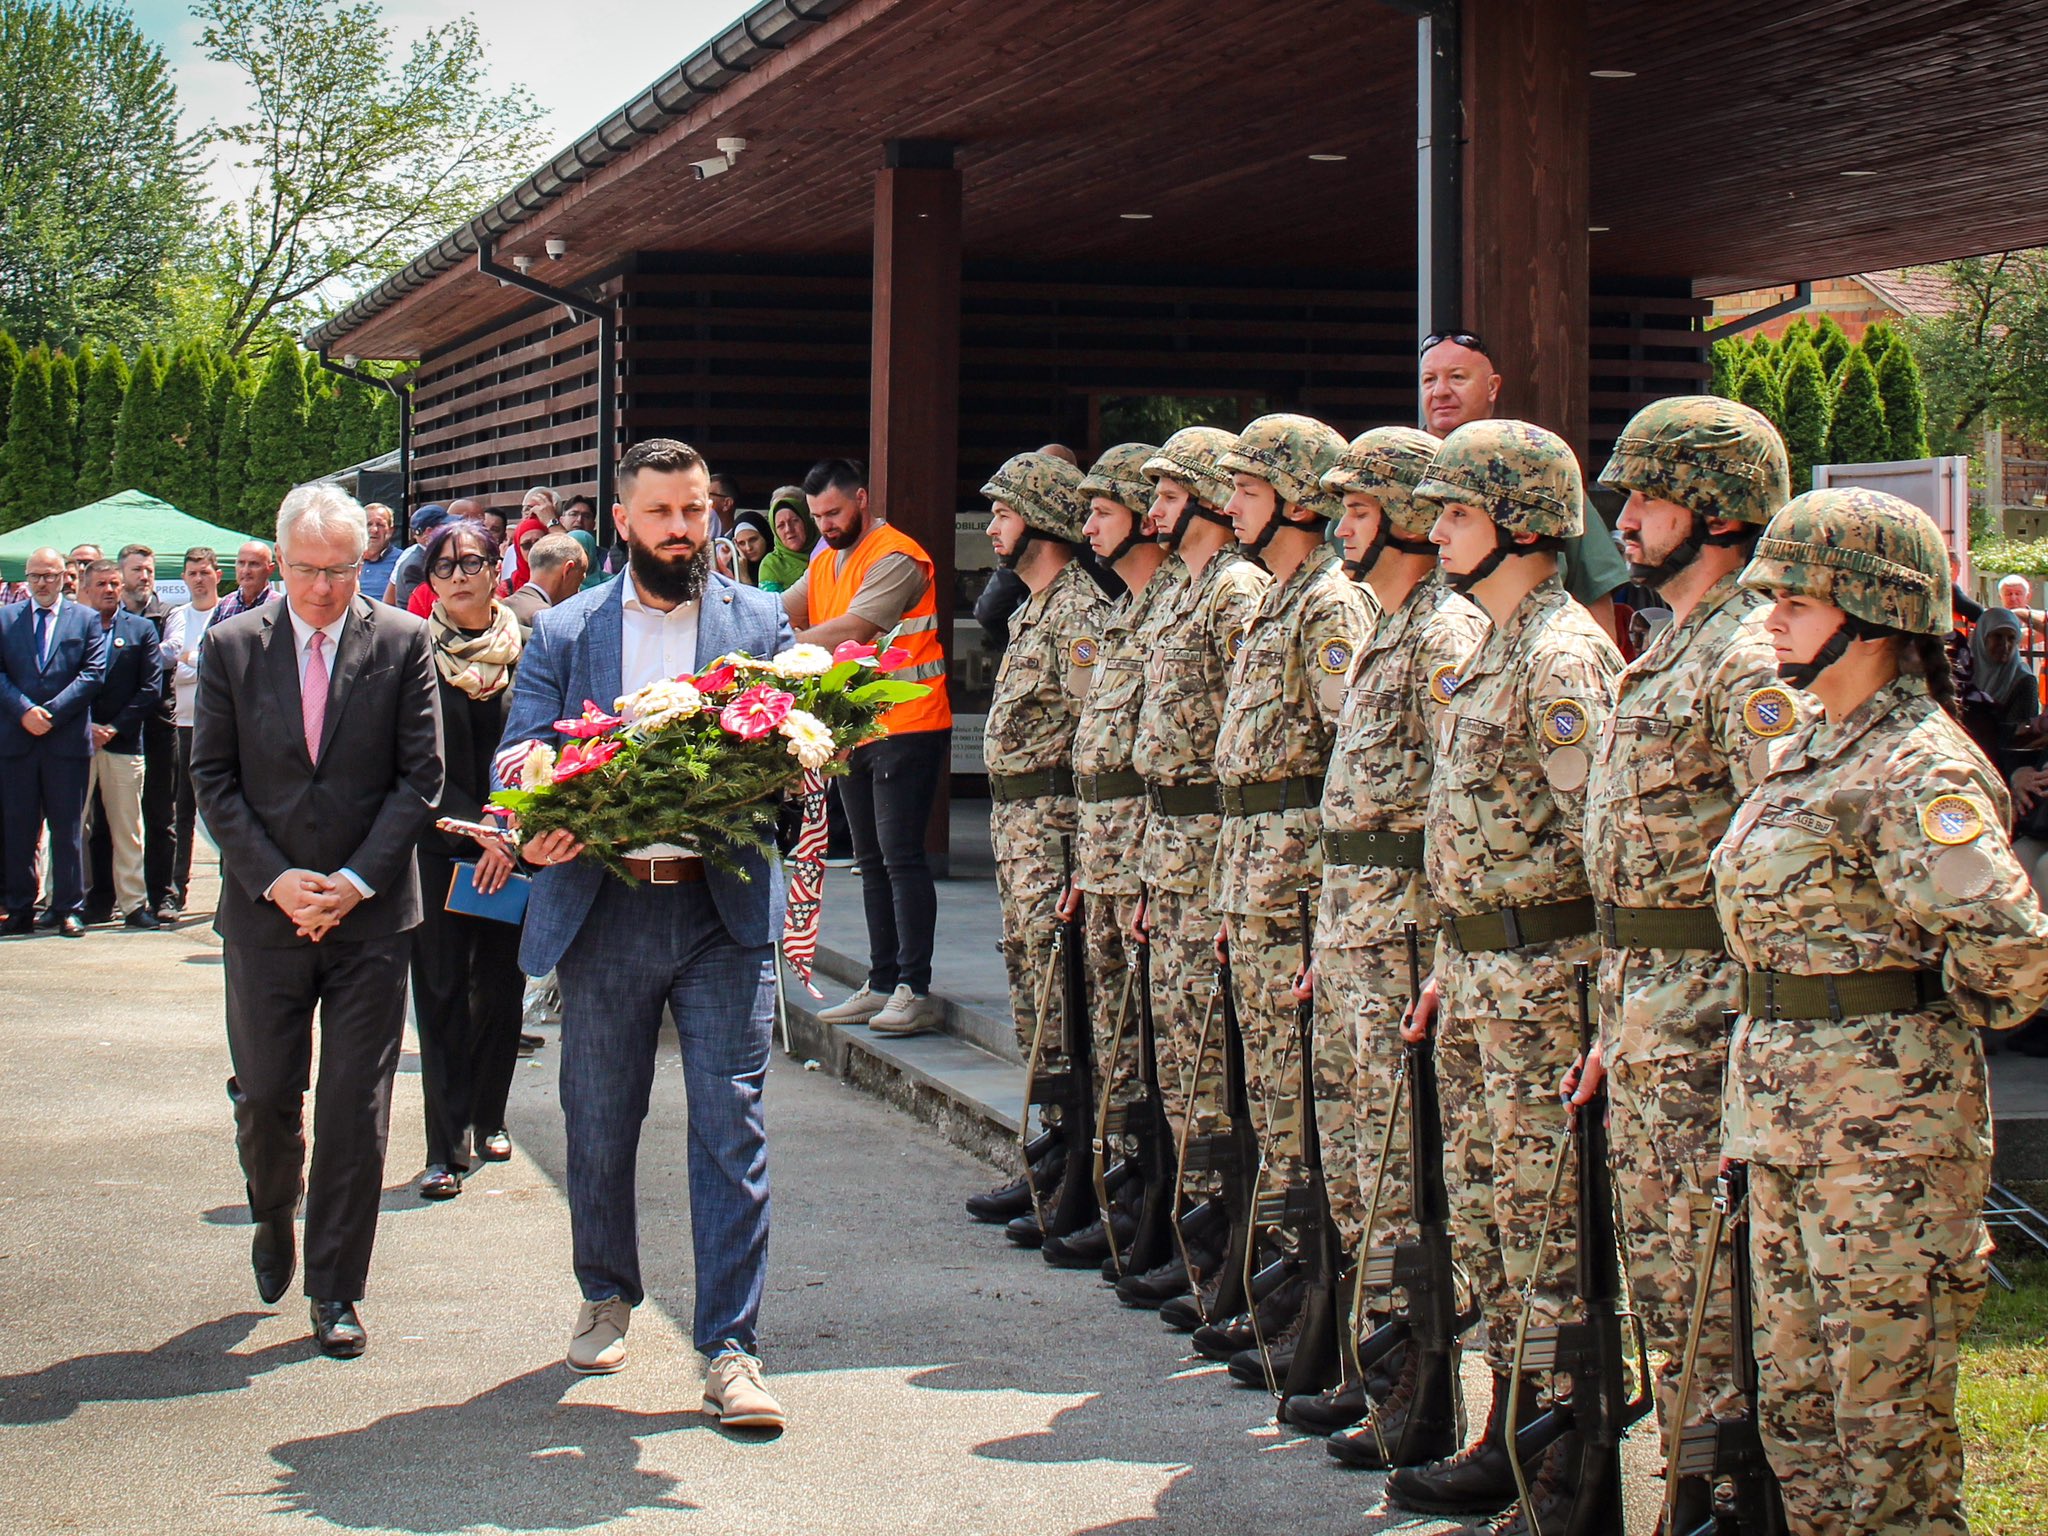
[129, 517]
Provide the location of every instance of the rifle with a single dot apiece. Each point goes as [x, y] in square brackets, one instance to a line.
[1599, 1409]
[1231, 1156]
[1067, 1090]
[1426, 1268]
[1144, 1121]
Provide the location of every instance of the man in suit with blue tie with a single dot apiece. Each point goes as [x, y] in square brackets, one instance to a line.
[53, 658]
[689, 936]
[131, 695]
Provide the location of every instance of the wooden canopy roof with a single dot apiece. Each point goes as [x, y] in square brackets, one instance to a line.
[1753, 142]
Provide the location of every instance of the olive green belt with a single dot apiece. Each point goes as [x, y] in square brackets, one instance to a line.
[1521, 927]
[1182, 799]
[1661, 928]
[1297, 794]
[1097, 787]
[1774, 994]
[1382, 850]
[1005, 787]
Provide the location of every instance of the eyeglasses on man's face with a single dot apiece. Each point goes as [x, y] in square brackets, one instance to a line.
[315, 572]
[448, 565]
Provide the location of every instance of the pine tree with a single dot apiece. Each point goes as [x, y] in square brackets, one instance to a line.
[10, 366]
[1801, 329]
[64, 413]
[1832, 343]
[231, 460]
[1905, 401]
[1763, 350]
[1729, 356]
[1758, 389]
[323, 442]
[1806, 413]
[1858, 435]
[139, 457]
[99, 415]
[277, 436]
[184, 415]
[1878, 339]
[34, 485]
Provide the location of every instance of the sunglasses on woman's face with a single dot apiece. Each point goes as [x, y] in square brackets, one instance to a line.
[448, 565]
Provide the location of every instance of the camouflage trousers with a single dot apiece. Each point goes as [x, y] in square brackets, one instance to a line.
[1504, 1132]
[1265, 953]
[1867, 1276]
[1029, 879]
[1184, 1001]
[1112, 994]
[1664, 1136]
[1360, 994]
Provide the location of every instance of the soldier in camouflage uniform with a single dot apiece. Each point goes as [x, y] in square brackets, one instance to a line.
[1111, 795]
[1502, 853]
[1373, 799]
[1694, 717]
[1279, 720]
[1201, 625]
[1868, 888]
[1047, 670]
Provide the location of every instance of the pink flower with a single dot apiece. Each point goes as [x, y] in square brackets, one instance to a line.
[592, 722]
[717, 680]
[892, 659]
[853, 650]
[581, 757]
[756, 712]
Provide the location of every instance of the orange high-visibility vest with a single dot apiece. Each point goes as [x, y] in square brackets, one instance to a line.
[836, 576]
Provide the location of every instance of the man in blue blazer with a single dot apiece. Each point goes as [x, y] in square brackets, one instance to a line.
[687, 936]
[131, 695]
[53, 657]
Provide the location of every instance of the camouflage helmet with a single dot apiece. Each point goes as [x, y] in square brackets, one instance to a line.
[1522, 476]
[1875, 557]
[1044, 491]
[1190, 456]
[1387, 463]
[1290, 454]
[1119, 476]
[1709, 455]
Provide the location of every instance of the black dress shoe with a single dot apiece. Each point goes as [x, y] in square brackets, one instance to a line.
[440, 1182]
[494, 1147]
[528, 1044]
[46, 922]
[338, 1329]
[17, 924]
[142, 917]
[274, 1255]
[71, 927]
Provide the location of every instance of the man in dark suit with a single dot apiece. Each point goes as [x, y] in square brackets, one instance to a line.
[53, 657]
[131, 695]
[316, 760]
[689, 936]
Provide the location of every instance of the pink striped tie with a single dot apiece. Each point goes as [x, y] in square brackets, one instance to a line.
[315, 694]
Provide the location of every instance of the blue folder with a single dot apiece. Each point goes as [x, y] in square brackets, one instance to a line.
[507, 905]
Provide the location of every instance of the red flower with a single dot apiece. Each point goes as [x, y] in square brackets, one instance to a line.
[756, 712]
[853, 650]
[892, 659]
[581, 757]
[717, 680]
[592, 722]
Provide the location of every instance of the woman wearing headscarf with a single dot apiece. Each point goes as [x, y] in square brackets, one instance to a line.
[466, 983]
[752, 538]
[795, 536]
[594, 573]
[529, 532]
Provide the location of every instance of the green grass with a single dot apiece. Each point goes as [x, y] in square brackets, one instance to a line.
[2004, 1394]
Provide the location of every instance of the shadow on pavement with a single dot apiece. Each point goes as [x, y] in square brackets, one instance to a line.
[189, 1364]
[515, 1457]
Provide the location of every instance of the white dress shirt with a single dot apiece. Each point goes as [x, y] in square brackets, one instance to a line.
[55, 608]
[654, 644]
[184, 633]
[302, 641]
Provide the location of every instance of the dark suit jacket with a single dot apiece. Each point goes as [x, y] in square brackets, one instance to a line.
[64, 686]
[366, 803]
[134, 688]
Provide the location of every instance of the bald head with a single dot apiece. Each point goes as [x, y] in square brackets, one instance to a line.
[253, 568]
[1061, 451]
[46, 576]
[466, 509]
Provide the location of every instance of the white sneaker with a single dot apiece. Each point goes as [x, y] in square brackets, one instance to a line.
[597, 1346]
[857, 1009]
[907, 1014]
[733, 1390]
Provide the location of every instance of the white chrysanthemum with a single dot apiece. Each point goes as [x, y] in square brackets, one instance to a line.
[537, 767]
[659, 702]
[810, 742]
[803, 661]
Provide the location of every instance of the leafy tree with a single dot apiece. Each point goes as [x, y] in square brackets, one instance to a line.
[33, 487]
[185, 417]
[1857, 434]
[99, 416]
[323, 426]
[10, 365]
[1986, 358]
[96, 179]
[64, 413]
[358, 157]
[1806, 413]
[231, 472]
[1905, 401]
[1831, 342]
[139, 458]
[277, 436]
[1758, 389]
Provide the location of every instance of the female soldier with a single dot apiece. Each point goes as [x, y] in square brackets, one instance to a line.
[1868, 889]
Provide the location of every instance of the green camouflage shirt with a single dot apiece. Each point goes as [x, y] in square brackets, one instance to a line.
[1279, 721]
[1108, 728]
[1047, 669]
[1878, 843]
[1187, 674]
[1378, 778]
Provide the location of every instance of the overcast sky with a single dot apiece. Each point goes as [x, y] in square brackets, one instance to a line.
[581, 58]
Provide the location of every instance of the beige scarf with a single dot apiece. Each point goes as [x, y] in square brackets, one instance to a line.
[480, 665]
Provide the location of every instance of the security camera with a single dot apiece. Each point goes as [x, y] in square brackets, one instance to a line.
[557, 248]
[730, 148]
[523, 263]
[704, 170]
[348, 359]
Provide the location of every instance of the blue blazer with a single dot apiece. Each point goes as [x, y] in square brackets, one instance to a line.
[64, 686]
[134, 687]
[576, 654]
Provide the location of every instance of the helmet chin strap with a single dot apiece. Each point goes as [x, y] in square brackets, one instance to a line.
[1009, 561]
[1129, 542]
[1276, 522]
[1503, 546]
[1171, 537]
[1683, 555]
[1382, 541]
[1801, 674]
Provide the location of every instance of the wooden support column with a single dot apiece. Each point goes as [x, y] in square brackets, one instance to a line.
[914, 393]
[1527, 198]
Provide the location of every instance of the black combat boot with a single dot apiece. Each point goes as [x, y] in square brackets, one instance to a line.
[1014, 1198]
[1553, 1486]
[1409, 1426]
[1279, 1293]
[1090, 1246]
[1332, 1409]
[1692, 1509]
[1248, 1367]
[1184, 1313]
[1202, 1231]
[1476, 1481]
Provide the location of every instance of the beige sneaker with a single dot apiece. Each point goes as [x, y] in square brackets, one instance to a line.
[857, 1009]
[597, 1347]
[733, 1391]
[907, 1014]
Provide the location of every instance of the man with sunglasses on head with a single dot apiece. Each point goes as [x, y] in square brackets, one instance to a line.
[1459, 385]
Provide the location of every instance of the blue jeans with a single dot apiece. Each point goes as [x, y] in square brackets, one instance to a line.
[641, 948]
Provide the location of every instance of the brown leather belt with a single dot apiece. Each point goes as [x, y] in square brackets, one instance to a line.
[670, 869]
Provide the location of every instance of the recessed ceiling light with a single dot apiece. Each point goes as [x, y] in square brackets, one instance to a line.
[1598, 229]
[1859, 173]
[1134, 215]
[1329, 157]
[1613, 74]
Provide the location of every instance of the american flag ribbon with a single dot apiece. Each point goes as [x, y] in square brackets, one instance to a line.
[805, 868]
